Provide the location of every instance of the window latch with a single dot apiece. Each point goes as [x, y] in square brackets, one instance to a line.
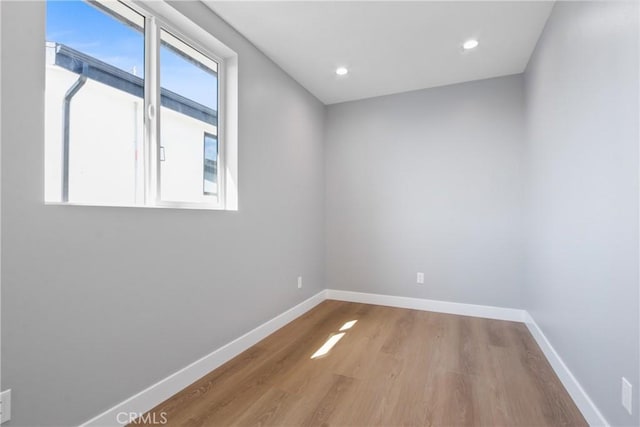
[151, 112]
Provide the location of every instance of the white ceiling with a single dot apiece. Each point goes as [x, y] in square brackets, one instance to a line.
[388, 46]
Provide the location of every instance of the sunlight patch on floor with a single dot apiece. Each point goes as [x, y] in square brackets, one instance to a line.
[348, 325]
[328, 345]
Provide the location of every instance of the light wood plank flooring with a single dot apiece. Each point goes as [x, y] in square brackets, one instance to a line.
[392, 367]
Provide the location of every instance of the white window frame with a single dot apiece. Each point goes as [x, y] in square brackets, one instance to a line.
[160, 16]
[154, 24]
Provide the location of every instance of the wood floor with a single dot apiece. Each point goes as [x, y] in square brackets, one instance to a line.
[392, 367]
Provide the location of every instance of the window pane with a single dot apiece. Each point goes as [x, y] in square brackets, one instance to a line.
[189, 115]
[210, 164]
[94, 103]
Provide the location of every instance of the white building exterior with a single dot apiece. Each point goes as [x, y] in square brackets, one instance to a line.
[106, 136]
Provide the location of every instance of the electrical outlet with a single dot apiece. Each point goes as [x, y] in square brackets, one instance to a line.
[627, 395]
[5, 406]
[420, 278]
[299, 282]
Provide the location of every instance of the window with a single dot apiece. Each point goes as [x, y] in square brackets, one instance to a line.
[132, 110]
[188, 111]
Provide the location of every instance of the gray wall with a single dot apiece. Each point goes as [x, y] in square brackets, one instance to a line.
[582, 116]
[428, 181]
[99, 303]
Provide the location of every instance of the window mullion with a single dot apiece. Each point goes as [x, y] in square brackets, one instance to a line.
[152, 111]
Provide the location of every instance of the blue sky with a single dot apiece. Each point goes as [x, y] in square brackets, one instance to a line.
[91, 31]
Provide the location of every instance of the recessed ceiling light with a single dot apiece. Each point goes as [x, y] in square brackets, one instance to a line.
[470, 44]
[341, 71]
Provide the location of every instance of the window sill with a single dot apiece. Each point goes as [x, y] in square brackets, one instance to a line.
[174, 205]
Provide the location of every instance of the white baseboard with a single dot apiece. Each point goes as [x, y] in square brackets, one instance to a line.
[589, 410]
[164, 389]
[485, 311]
